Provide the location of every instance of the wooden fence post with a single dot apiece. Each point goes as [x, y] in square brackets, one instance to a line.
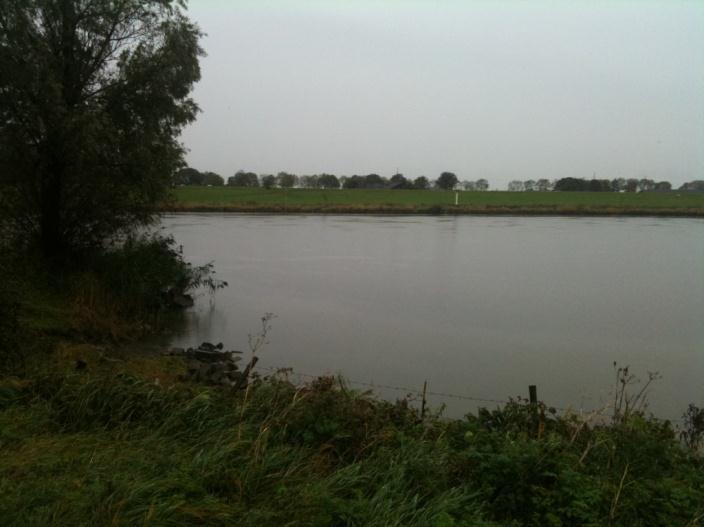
[422, 406]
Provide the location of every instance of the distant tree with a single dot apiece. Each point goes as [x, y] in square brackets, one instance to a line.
[645, 185]
[468, 185]
[328, 181]
[618, 184]
[515, 186]
[593, 185]
[693, 186]
[374, 181]
[446, 181]
[286, 180]
[529, 185]
[482, 184]
[308, 181]
[398, 181]
[243, 179]
[212, 179]
[543, 185]
[662, 186]
[570, 184]
[605, 185]
[631, 185]
[188, 176]
[421, 183]
[268, 181]
[355, 182]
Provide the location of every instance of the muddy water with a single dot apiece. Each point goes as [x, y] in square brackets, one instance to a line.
[477, 306]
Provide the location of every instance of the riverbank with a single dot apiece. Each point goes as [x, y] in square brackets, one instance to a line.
[103, 436]
[354, 201]
[97, 433]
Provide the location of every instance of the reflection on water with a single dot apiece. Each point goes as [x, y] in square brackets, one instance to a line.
[482, 306]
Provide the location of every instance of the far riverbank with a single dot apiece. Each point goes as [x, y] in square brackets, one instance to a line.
[384, 201]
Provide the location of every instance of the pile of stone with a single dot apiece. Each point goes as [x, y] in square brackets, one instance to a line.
[211, 364]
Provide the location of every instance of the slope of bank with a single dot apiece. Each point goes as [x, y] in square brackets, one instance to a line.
[357, 201]
[122, 441]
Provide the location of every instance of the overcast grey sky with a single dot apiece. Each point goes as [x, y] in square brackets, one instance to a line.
[500, 90]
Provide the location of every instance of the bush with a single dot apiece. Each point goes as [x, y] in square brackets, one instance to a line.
[136, 281]
[124, 451]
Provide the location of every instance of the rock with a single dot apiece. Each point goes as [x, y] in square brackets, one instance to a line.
[210, 364]
[209, 356]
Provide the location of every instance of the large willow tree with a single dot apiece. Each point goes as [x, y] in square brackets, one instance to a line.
[93, 97]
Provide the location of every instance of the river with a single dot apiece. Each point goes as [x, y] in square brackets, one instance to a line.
[480, 307]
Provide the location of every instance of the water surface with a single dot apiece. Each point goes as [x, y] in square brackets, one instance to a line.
[478, 306]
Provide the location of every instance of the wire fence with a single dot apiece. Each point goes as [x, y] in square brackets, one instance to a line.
[442, 395]
[403, 389]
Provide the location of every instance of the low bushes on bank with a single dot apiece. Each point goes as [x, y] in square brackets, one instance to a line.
[87, 448]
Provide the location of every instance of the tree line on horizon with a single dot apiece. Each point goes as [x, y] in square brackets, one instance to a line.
[446, 181]
[591, 185]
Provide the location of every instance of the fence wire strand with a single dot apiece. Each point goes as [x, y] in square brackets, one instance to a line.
[407, 390]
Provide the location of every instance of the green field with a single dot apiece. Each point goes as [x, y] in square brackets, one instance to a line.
[235, 199]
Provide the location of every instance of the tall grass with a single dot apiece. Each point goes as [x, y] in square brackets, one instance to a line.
[106, 449]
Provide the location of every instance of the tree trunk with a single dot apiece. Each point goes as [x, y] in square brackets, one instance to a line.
[51, 235]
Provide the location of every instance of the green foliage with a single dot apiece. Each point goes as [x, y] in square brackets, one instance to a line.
[135, 281]
[286, 180]
[693, 433]
[243, 179]
[188, 176]
[399, 181]
[92, 99]
[446, 181]
[212, 179]
[145, 269]
[123, 451]
[328, 181]
[268, 181]
[369, 181]
[694, 186]
[571, 184]
[421, 183]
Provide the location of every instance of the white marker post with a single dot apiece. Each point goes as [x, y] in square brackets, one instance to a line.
[457, 198]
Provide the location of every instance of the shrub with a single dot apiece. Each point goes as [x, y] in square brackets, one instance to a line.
[135, 281]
